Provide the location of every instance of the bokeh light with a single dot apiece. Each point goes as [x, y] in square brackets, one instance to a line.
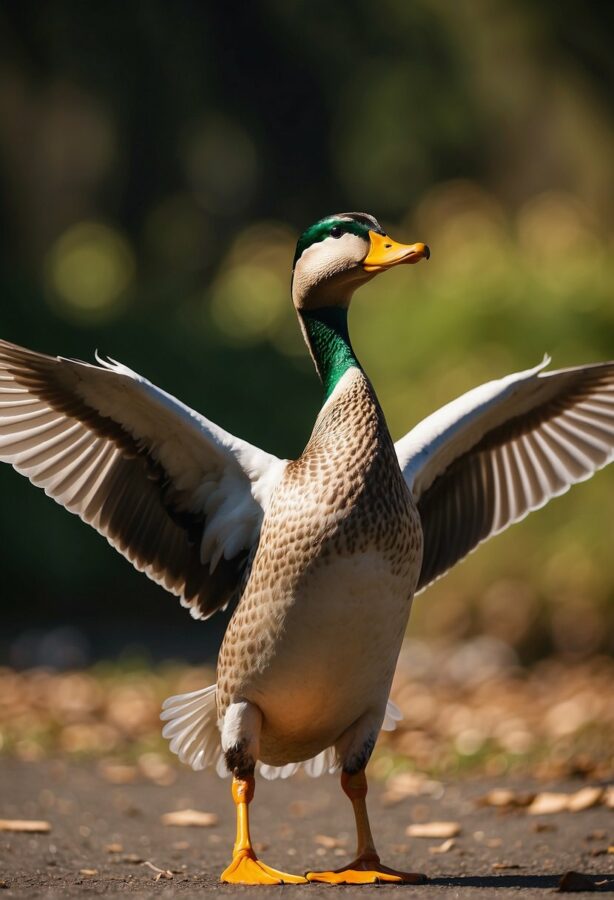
[88, 271]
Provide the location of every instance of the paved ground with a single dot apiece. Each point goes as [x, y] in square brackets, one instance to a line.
[512, 854]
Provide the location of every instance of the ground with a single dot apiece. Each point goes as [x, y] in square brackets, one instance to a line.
[104, 834]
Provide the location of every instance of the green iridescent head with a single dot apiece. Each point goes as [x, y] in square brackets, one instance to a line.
[335, 226]
[340, 252]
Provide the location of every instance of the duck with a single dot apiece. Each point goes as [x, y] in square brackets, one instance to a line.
[320, 555]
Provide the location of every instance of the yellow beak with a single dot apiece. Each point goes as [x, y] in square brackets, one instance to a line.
[385, 253]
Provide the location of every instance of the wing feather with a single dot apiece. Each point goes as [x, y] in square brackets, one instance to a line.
[487, 459]
[138, 466]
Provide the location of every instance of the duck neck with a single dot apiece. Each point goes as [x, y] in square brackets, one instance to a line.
[326, 333]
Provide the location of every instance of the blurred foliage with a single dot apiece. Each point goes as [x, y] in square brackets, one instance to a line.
[467, 711]
[156, 164]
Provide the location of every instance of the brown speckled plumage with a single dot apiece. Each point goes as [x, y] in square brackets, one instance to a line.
[344, 498]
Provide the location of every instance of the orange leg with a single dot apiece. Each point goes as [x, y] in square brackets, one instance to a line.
[366, 868]
[245, 867]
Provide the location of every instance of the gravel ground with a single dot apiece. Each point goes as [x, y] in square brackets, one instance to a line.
[102, 835]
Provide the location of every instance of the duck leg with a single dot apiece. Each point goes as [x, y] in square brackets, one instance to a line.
[366, 868]
[240, 737]
[245, 867]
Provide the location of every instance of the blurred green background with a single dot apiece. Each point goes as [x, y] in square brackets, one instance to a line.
[157, 161]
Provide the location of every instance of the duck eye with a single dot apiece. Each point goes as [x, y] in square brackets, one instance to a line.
[336, 232]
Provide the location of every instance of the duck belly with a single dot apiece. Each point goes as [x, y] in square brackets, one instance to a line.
[329, 653]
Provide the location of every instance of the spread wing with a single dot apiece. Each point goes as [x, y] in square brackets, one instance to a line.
[490, 457]
[181, 498]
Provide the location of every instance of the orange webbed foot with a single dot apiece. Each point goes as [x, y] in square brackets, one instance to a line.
[366, 870]
[246, 868]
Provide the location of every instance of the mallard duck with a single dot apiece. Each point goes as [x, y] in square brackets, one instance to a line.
[323, 553]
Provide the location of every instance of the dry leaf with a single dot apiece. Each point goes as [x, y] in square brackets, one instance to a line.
[504, 865]
[329, 842]
[89, 872]
[598, 834]
[190, 818]
[410, 784]
[608, 796]
[433, 830]
[503, 798]
[547, 803]
[32, 826]
[118, 773]
[575, 881]
[585, 798]
[299, 808]
[132, 858]
[114, 848]
[154, 767]
[443, 848]
[160, 873]
[611, 848]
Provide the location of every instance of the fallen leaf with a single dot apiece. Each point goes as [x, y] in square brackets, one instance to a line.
[330, 842]
[608, 797]
[433, 830]
[160, 873]
[114, 848]
[585, 798]
[410, 784]
[118, 773]
[443, 848]
[299, 808]
[189, 818]
[89, 872]
[504, 865]
[32, 826]
[598, 834]
[575, 881]
[547, 803]
[133, 858]
[154, 767]
[611, 848]
[181, 845]
[503, 798]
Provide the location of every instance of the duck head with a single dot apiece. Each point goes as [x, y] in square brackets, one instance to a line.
[337, 254]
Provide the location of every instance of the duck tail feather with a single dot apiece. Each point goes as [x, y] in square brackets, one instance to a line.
[191, 726]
